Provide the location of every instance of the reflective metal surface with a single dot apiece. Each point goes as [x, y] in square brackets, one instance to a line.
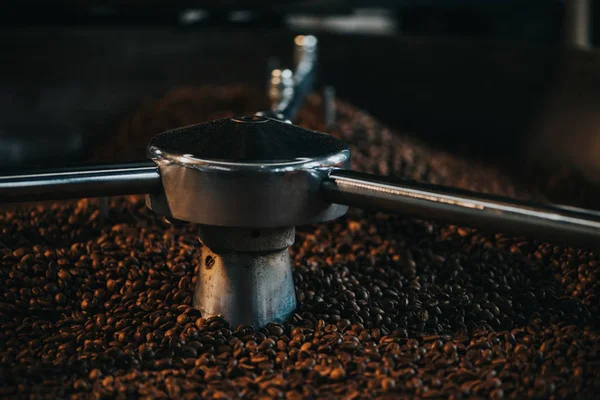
[250, 172]
[281, 91]
[83, 181]
[287, 89]
[246, 275]
[553, 223]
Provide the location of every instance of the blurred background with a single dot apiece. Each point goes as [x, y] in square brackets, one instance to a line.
[507, 81]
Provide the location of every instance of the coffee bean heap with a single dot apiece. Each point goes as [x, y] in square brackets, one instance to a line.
[389, 306]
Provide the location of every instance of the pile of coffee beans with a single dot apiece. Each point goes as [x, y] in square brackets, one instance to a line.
[389, 306]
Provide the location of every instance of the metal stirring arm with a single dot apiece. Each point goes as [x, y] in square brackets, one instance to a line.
[287, 89]
[336, 186]
[460, 207]
[82, 181]
[548, 222]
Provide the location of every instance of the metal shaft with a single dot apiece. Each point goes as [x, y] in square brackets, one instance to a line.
[578, 21]
[546, 222]
[81, 181]
[245, 275]
[305, 60]
[288, 89]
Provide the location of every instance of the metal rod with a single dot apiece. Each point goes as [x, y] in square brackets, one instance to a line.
[305, 60]
[281, 93]
[546, 222]
[81, 181]
[578, 22]
[287, 89]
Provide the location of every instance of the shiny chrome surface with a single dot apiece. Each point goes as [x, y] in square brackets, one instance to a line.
[287, 89]
[578, 23]
[84, 181]
[281, 90]
[548, 222]
[245, 275]
[248, 181]
[251, 172]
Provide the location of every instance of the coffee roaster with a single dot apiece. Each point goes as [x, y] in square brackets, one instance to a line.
[244, 183]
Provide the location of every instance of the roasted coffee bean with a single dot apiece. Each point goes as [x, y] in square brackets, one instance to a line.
[388, 306]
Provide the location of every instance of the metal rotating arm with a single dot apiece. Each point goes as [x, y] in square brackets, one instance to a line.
[549, 222]
[278, 165]
[288, 89]
[339, 186]
[305, 60]
[83, 181]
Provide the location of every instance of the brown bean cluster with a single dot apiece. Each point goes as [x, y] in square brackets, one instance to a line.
[389, 306]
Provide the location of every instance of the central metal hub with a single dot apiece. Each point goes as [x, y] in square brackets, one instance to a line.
[246, 275]
[248, 182]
